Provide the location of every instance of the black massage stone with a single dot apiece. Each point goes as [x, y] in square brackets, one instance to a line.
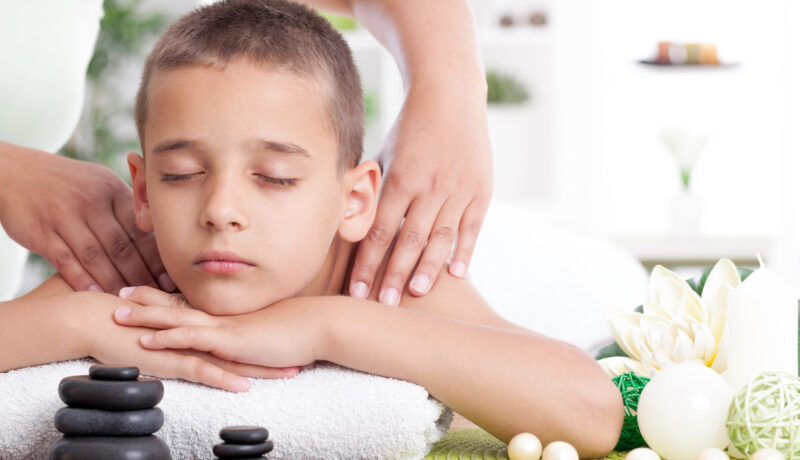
[226, 450]
[95, 422]
[82, 391]
[110, 448]
[244, 434]
[106, 372]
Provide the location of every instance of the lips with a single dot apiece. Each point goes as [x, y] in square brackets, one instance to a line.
[222, 263]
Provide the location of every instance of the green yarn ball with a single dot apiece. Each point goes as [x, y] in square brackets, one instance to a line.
[631, 386]
[766, 413]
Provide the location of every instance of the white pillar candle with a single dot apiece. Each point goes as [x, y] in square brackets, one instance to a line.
[761, 328]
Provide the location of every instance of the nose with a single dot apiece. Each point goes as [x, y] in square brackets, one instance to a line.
[223, 207]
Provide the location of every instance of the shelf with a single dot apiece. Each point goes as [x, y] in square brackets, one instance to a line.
[696, 250]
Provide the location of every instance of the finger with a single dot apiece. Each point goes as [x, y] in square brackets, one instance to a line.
[184, 338]
[63, 259]
[121, 251]
[198, 370]
[145, 243]
[162, 318]
[468, 232]
[410, 243]
[249, 370]
[146, 295]
[92, 256]
[440, 245]
[372, 249]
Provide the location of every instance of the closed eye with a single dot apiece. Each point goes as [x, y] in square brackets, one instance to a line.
[277, 180]
[178, 177]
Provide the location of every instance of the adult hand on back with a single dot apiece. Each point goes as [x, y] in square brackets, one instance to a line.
[440, 179]
[80, 217]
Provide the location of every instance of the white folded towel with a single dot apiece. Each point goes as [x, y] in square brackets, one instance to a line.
[327, 412]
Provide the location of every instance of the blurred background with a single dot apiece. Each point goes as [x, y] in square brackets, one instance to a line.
[667, 126]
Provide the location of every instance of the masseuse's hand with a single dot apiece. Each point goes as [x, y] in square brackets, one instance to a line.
[277, 339]
[440, 179]
[79, 216]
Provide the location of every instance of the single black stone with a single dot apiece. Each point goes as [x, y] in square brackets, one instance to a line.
[226, 450]
[106, 372]
[109, 448]
[244, 434]
[82, 391]
[96, 422]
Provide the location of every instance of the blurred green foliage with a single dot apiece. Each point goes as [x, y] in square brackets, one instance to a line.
[105, 132]
[505, 89]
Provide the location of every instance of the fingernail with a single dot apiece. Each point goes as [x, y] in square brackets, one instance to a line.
[420, 283]
[147, 339]
[390, 296]
[458, 269]
[242, 384]
[125, 292]
[359, 290]
[166, 282]
[122, 312]
[95, 288]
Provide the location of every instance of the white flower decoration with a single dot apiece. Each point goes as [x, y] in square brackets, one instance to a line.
[676, 324]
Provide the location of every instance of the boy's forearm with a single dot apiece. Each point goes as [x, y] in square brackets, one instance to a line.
[40, 330]
[504, 381]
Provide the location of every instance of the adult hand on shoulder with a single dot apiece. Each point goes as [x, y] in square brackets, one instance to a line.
[272, 342]
[80, 217]
[440, 179]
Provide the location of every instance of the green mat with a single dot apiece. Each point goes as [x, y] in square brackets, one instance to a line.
[477, 444]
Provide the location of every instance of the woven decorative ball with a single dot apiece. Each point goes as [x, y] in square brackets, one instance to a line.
[631, 386]
[766, 413]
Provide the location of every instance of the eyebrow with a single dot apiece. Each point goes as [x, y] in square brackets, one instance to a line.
[281, 147]
[264, 144]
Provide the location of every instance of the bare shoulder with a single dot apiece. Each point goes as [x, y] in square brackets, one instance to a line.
[457, 298]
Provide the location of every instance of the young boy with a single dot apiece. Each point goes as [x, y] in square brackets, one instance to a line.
[250, 118]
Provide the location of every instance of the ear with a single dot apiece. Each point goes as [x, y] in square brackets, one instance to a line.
[140, 203]
[360, 200]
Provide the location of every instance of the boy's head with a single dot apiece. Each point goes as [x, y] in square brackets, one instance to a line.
[274, 34]
[250, 117]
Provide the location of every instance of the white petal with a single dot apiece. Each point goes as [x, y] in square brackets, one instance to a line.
[666, 289]
[724, 273]
[720, 363]
[649, 308]
[682, 349]
[718, 311]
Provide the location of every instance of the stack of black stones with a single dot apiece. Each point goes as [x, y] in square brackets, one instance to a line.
[243, 442]
[111, 414]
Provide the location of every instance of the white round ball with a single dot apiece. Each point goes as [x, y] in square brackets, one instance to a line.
[712, 453]
[559, 450]
[767, 453]
[683, 410]
[524, 446]
[642, 453]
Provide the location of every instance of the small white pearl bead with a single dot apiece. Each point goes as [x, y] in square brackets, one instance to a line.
[767, 453]
[524, 446]
[559, 450]
[712, 453]
[642, 453]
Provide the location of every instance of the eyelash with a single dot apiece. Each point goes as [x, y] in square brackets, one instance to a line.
[272, 180]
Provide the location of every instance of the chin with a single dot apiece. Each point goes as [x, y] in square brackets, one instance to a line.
[228, 300]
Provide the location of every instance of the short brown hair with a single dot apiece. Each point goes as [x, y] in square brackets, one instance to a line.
[277, 33]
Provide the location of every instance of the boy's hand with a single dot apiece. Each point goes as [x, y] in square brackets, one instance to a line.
[281, 336]
[111, 343]
[440, 180]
